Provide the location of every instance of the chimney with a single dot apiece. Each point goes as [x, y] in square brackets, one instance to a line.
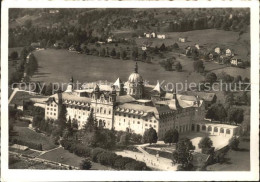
[59, 92]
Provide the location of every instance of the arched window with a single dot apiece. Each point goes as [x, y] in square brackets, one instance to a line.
[101, 109]
[221, 130]
[203, 127]
[215, 129]
[228, 131]
[209, 128]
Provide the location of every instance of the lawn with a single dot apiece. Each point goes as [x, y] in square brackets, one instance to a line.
[235, 160]
[60, 65]
[63, 156]
[28, 135]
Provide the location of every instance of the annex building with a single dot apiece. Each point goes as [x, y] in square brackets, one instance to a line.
[130, 106]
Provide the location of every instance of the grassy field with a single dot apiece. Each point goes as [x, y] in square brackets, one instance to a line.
[28, 135]
[235, 160]
[69, 159]
[60, 65]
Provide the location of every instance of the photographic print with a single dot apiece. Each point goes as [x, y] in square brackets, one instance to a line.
[129, 89]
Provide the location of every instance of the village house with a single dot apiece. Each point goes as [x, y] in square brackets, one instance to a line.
[197, 46]
[54, 11]
[229, 52]
[36, 44]
[109, 40]
[161, 36]
[58, 44]
[236, 61]
[183, 39]
[217, 50]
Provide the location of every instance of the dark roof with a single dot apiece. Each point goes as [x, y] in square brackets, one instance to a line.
[19, 97]
[207, 96]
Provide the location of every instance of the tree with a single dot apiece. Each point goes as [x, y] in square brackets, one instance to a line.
[162, 48]
[178, 67]
[198, 66]
[91, 124]
[229, 98]
[233, 143]
[150, 136]
[144, 56]
[124, 139]
[175, 46]
[235, 115]
[28, 23]
[182, 155]
[135, 53]
[85, 164]
[171, 136]
[113, 52]
[123, 54]
[211, 78]
[102, 52]
[217, 112]
[14, 55]
[49, 89]
[205, 144]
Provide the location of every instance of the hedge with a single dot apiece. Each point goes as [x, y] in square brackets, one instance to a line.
[103, 156]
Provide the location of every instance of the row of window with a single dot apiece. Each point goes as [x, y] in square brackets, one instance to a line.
[52, 105]
[51, 109]
[103, 111]
[127, 115]
[215, 129]
[51, 113]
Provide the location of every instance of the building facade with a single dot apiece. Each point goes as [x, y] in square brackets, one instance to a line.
[128, 108]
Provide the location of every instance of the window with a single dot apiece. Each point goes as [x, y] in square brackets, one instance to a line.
[228, 131]
[97, 110]
[215, 129]
[221, 130]
[50, 113]
[209, 128]
[104, 111]
[47, 108]
[154, 121]
[145, 124]
[133, 116]
[51, 105]
[154, 126]
[203, 127]
[109, 112]
[119, 114]
[47, 112]
[138, 122]
[79, 117]
[54, 114]
[139, 117]
[54, 109]
[51, 109]
[124, 115]
[129, 115]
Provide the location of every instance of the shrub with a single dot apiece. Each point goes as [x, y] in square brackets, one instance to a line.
[106, 158]
[233, 143]
[136, 166]
[95, 152]
[85, 164]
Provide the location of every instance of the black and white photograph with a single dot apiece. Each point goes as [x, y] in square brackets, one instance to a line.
[152, 89]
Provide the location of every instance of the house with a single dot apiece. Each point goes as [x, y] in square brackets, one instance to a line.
[229, 52]
[109, 39]
[36, 44]
[217, 50]
[188, 50]
[153, 35]
[147, 35]
[183, 39]
[197, 46]
[72, 48]
[161, 36]
[58, 44]
[144, 48]
[208, 97]
[236, 61]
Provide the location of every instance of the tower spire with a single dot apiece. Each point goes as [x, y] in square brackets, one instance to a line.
[136, 67]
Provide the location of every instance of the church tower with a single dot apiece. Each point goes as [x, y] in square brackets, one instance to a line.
[135, 84]
[70, 86]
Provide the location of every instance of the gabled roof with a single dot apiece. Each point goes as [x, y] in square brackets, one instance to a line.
[207, 96]
[158, 88]
[124, 99]
[71, 96]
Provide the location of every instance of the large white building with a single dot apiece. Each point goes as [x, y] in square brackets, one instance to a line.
[129, 106]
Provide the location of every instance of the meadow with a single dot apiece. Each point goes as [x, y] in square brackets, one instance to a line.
[25, 134]
[60, 65]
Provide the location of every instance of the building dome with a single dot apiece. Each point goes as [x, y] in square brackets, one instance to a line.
[135, 77]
